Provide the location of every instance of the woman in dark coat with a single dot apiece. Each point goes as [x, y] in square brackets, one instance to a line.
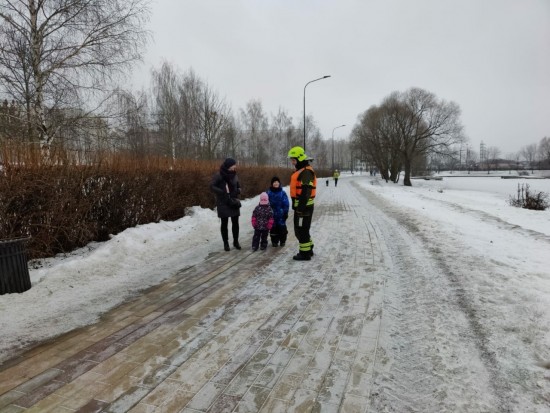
[225, 185]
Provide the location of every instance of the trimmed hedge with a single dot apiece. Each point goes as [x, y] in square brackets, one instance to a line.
[65, 207]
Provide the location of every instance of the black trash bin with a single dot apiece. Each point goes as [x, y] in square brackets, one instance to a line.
[14, 272]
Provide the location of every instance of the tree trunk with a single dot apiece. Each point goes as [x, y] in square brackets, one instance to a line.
[394, 171]
[407, 177]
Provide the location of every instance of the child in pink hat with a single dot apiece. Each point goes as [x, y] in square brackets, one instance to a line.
[262, 221]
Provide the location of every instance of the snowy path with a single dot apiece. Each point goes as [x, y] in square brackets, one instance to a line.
[435, 360]
[453, 340]
[381, 320]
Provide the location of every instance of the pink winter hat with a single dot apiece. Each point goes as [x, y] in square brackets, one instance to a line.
[264, 199]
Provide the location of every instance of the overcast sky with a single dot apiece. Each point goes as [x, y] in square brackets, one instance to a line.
[492, 57]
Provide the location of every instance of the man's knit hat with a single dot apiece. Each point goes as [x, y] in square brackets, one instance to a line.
[264, 199]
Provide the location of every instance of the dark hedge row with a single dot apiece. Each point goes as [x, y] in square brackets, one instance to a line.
[64, 208]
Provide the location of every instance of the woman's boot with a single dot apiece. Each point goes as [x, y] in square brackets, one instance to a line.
[235, 231]
[225, 238]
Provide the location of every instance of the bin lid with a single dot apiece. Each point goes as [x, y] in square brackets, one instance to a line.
[11, 240]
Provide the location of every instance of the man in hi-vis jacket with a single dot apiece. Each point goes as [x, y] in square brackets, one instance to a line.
[303, 184]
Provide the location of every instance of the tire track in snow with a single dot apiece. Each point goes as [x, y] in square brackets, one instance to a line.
[484, 216]
[438, 352]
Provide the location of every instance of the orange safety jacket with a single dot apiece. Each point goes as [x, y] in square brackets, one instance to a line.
[296, 186]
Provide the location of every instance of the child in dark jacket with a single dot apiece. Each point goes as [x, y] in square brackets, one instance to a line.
[278, 199]
[262, 221]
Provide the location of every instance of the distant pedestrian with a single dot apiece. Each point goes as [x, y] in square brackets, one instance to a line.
[303, 184]
[262, 222]
[227, 188]
[336, 175]
[327, 182]
[278, 200]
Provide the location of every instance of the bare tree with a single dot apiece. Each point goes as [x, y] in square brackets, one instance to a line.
[192, 120]
[280, 139]
[255, 126]
[131, 127]
[318, 148]
[341, 153]
[191, 92]
[471, 158]
[56, 51]
[544, 149]
[214, 114]
[452, 159]
[167, 112]
[11, 124]
[406, 128]
[492, 158]
[426, 125]
[517, 158]
[378, 136]
[529, 153]
[358, 146]
[229, 142]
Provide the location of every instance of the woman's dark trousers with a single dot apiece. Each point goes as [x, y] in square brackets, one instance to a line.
[234, 229]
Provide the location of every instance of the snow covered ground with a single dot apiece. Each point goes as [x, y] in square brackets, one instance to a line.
[467, 270]
[495, 261]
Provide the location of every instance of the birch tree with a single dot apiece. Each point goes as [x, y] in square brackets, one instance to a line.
[255, 125]
[168, 115]
[281, 134]
[214, 115]
[191, 93]
[55, 52]
[131, 127]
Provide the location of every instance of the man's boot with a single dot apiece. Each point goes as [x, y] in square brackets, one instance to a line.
[236, 244]
[302, 256]
[226, 246]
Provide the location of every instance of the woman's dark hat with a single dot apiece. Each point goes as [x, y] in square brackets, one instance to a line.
[229, 162]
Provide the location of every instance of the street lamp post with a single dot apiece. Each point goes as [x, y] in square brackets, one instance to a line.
[311, 81]
[341, 126]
